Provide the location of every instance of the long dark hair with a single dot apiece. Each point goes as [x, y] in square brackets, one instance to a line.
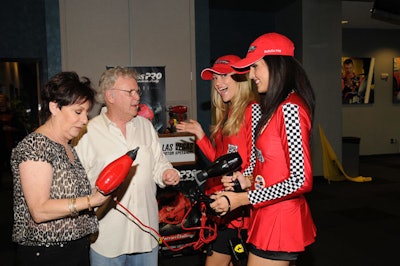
[285, 75]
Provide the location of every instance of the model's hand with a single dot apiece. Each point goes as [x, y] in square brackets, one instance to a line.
[171, 177]
[192, 127]
[225, 202]
[229, 181]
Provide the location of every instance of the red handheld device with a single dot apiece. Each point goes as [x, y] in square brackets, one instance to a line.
[115, 172]
[180, 110]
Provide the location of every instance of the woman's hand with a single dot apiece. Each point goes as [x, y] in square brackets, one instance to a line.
[97, 199]
[230, 181]
[225, 202]
[192, 127]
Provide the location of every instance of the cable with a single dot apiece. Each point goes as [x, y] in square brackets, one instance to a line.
[206, 233]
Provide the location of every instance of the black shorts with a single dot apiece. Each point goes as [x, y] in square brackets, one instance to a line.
[221, 243]
[273, 255]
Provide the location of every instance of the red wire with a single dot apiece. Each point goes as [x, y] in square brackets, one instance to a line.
[203, 239]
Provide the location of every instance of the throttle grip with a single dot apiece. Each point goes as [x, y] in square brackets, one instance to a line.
[236, 186]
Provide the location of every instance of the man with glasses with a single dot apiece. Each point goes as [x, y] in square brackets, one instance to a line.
[122, 240]
[132, 92]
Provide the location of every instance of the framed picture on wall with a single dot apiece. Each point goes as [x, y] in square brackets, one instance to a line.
[396, 80]
[358, 80]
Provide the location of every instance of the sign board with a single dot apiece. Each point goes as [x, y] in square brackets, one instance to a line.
[179, 148]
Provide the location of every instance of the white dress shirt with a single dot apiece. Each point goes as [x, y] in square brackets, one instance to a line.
[104, 142]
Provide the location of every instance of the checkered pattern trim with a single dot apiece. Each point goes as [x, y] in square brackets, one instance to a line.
[255, 117]
[296, 157]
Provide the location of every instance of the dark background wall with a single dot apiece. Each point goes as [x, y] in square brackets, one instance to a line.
[30, 30]
[22, 29]
[30, 35]
[231, 33]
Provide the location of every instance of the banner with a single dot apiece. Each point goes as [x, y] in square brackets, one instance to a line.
[151, 81]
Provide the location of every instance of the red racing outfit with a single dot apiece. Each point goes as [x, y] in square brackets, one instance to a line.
[243, 143]
[281, 219]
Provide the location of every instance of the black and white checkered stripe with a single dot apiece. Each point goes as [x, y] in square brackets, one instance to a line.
[296, 157]
[255, 117]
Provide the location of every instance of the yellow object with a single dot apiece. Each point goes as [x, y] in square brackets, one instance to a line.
[333, 169]
[239, 248]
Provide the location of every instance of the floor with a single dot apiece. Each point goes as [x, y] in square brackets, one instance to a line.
[358, 223]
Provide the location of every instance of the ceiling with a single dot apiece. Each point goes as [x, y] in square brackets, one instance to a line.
[357, 13]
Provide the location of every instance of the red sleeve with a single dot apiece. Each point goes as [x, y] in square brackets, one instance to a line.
[207, 148]
[295, 137]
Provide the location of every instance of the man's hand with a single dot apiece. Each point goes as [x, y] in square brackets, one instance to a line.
[171, 177]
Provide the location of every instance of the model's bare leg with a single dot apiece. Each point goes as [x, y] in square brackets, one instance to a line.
[218, 259]
[258, 261]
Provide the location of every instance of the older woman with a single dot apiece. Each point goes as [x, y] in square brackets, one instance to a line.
[53, 199]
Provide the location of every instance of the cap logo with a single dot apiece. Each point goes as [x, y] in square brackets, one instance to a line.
[225, 62]
[270, 51]
[252, 48]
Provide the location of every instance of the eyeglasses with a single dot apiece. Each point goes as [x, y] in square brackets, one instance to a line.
[131, 92]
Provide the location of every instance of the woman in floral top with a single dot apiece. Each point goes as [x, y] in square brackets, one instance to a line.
[53, 199]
